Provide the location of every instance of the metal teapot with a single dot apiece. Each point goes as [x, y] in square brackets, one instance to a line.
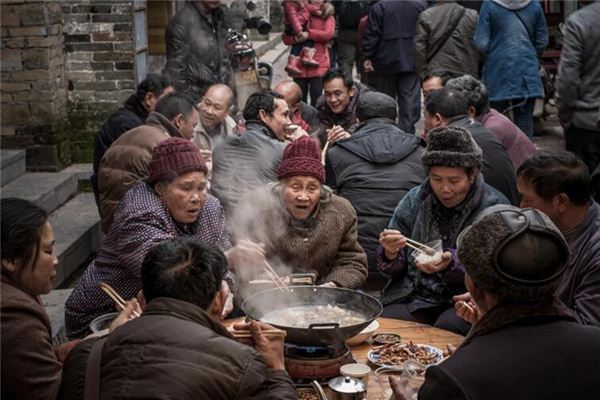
[342, 388]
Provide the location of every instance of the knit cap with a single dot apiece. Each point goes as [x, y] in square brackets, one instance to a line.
[174, 157]
[451, 146]
[302, 157]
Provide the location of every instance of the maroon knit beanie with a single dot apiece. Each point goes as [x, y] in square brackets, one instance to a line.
[174, 157]
[302, 157]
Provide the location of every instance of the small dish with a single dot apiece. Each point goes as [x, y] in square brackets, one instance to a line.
[364, 334]
[386, 338]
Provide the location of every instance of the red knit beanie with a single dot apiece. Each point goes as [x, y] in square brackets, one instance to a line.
[174, 157]
[302, 157]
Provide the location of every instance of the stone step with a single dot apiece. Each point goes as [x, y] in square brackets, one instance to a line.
[54, 302]
[49, 190]
[12, 165]
[77, 233]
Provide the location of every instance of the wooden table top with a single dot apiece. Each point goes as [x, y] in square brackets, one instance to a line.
[378, 388]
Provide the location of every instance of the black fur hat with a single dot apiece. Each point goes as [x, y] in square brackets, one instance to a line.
[451, 146]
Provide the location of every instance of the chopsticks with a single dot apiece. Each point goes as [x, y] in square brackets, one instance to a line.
[281, 285]
[413, 244]
[112, 293]
[324, 152]
[242, 334]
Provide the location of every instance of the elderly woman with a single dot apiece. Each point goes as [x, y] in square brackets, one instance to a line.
[172, 202]
[301, 224]
[448, 201]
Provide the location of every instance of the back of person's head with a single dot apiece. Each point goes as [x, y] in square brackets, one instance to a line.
[153, 83]
[475, 91]
[174, 104]
[444, 75]
[554, 172]
[517, 255]
[261, 100]
[21, 230]
[338, 72]
[376, 105]
[183, 269]
[447, 102]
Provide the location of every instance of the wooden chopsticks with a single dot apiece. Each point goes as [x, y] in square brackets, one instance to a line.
[413, 244]
[242, 334]
[281, 285]
[112, 293]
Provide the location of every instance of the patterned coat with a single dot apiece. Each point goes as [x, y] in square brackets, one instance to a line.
[141, 221]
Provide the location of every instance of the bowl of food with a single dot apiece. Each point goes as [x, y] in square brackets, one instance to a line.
[431, 253]
[364, 334]
[102, 322]
[386, 338]
[395, 355]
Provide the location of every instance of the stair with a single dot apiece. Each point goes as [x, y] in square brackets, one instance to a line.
[12, 165]
[49, 190]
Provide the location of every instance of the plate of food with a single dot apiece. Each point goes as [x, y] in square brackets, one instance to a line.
[395, 354]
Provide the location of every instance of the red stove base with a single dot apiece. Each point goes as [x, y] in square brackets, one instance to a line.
[301, 367]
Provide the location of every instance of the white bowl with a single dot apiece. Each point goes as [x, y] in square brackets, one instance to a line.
[364, 334]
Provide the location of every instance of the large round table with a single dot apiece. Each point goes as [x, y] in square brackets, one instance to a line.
[379, 388]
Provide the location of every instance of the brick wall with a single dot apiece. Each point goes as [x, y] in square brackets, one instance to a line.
[99, 66]
[33, 97]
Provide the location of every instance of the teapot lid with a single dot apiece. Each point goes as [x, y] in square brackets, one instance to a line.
[347, 384]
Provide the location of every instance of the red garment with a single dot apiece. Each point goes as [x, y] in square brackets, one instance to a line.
[296, 118]
[321, 32]
[360, 32]
[296, 13]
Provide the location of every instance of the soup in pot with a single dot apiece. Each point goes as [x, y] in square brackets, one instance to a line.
[304, 316]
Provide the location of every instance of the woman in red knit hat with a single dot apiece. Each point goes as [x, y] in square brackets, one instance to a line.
[302, 226]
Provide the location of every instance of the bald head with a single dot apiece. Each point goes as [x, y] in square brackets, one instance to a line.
[291, 92]
[215, 105]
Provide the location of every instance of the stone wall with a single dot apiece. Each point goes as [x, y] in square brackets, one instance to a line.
[33, 96]
[99, 66]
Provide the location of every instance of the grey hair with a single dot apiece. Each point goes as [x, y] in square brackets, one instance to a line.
[476, 92]
[324, 197]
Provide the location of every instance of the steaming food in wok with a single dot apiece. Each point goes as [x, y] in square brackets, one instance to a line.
[304, 316]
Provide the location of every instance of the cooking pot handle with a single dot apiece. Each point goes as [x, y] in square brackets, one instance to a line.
[334, 326]
[319, 390]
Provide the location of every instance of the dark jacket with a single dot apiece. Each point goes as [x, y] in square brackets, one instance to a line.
[130, 116]
[388, 40]
[176, 350]
[578, 79]
[196, 53]
[30, 368]
[310, 116]
[245, 162]
[374, 169]
[498, 170]
[520, 352]
[580, 289]
[458, 54]
[347, 119]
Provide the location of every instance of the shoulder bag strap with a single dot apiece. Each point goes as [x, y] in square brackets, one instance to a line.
[525, 25]
[92, 371]
[447, 37]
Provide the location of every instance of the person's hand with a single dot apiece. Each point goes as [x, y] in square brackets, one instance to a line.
[301, 37]
[466, 308]
[336, 133]
[450, 350]
[270, 347]
[368, 66]
[127, 314]
[220, 307]
[206, 155]
[246, 253]
[392, 241]
[433, 268]
[65, 348]
[295, 134]
[400, 388]
[330, 284]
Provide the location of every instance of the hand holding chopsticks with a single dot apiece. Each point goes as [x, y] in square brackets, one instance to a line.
[269, 345]
[112, 293]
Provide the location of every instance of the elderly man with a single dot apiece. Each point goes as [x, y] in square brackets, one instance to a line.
[525, 335]
[178, 348]
[301, 113]
[337, 105]
[126, 161]
[245, 162]
[374, 168]
[517, 145]
[449, 107]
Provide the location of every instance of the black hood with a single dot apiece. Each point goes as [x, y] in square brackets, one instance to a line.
[380, 141]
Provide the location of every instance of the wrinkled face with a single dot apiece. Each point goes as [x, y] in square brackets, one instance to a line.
[187, 125]
[430, 85]
[151, 99]
[37, 276]
[278, 120]
[301, 195]
[450, 185]
[214, 107]
[184, 196]
[337, 95]
[531, 199]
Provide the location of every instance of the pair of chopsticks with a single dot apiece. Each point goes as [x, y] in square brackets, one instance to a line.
[413, 244]
[112, 293]
[281, 285]
[243, 334]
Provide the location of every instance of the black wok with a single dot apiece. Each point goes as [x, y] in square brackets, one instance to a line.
[258, 304]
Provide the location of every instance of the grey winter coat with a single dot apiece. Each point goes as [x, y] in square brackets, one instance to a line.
[374, 169]
[458, 54]
[578, 79]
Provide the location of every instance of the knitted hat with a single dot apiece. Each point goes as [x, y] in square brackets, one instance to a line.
[302, 157]
[514, 253]
[174, 157]
[451, 147]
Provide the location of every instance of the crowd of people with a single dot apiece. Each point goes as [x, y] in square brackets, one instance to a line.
[328, 175]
